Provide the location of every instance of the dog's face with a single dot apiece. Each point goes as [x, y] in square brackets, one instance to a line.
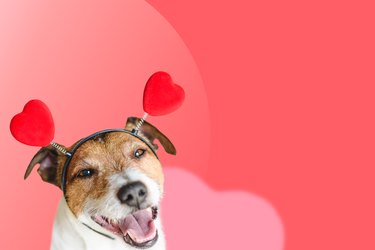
[114, 183]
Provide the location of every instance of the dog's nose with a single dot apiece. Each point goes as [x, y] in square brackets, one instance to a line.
[133, 194]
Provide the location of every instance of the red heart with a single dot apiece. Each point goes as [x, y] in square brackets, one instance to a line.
[162, 95]
[34, 125]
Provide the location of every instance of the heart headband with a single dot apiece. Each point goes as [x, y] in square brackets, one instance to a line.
[34, 126]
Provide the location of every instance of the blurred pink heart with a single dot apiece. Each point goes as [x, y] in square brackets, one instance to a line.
[197, 217]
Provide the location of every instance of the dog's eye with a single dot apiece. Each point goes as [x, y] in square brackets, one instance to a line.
[85, 173]
[139, 152]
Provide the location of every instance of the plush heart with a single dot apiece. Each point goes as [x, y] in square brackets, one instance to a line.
[162, 95]
[34, 125]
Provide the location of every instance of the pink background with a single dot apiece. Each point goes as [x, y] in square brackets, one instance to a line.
[280, 103]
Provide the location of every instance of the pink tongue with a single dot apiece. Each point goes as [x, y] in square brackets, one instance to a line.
[139, 225]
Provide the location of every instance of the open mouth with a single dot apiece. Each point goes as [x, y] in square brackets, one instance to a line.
[137, 229]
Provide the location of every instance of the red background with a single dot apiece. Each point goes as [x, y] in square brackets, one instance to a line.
[290, 88]
[296, 122]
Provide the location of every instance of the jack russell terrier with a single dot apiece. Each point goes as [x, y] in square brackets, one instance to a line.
[112, 190]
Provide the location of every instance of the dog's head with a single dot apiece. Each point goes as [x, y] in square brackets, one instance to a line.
[114, 182]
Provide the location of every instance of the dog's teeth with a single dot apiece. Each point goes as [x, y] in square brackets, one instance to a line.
[106, 220]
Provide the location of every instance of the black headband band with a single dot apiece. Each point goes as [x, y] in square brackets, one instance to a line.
[82, 141]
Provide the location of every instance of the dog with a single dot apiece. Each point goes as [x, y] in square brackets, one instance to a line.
[114, 185]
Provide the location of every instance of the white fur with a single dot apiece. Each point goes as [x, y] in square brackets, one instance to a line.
[69, 233]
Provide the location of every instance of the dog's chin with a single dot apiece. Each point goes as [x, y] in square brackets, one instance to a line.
[137, 229]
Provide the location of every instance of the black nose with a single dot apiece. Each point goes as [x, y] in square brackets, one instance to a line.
[133, 194]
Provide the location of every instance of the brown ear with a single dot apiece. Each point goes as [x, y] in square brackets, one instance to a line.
[151, 133]
[47, 157]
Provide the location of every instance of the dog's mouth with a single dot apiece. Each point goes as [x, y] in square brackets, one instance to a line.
[137, 229]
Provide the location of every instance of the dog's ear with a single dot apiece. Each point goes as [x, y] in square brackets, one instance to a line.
[47, 158]
[151, 133]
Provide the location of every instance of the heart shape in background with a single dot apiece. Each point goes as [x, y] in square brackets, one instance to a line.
[34, 126]
[222, 220]
[161, 95]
